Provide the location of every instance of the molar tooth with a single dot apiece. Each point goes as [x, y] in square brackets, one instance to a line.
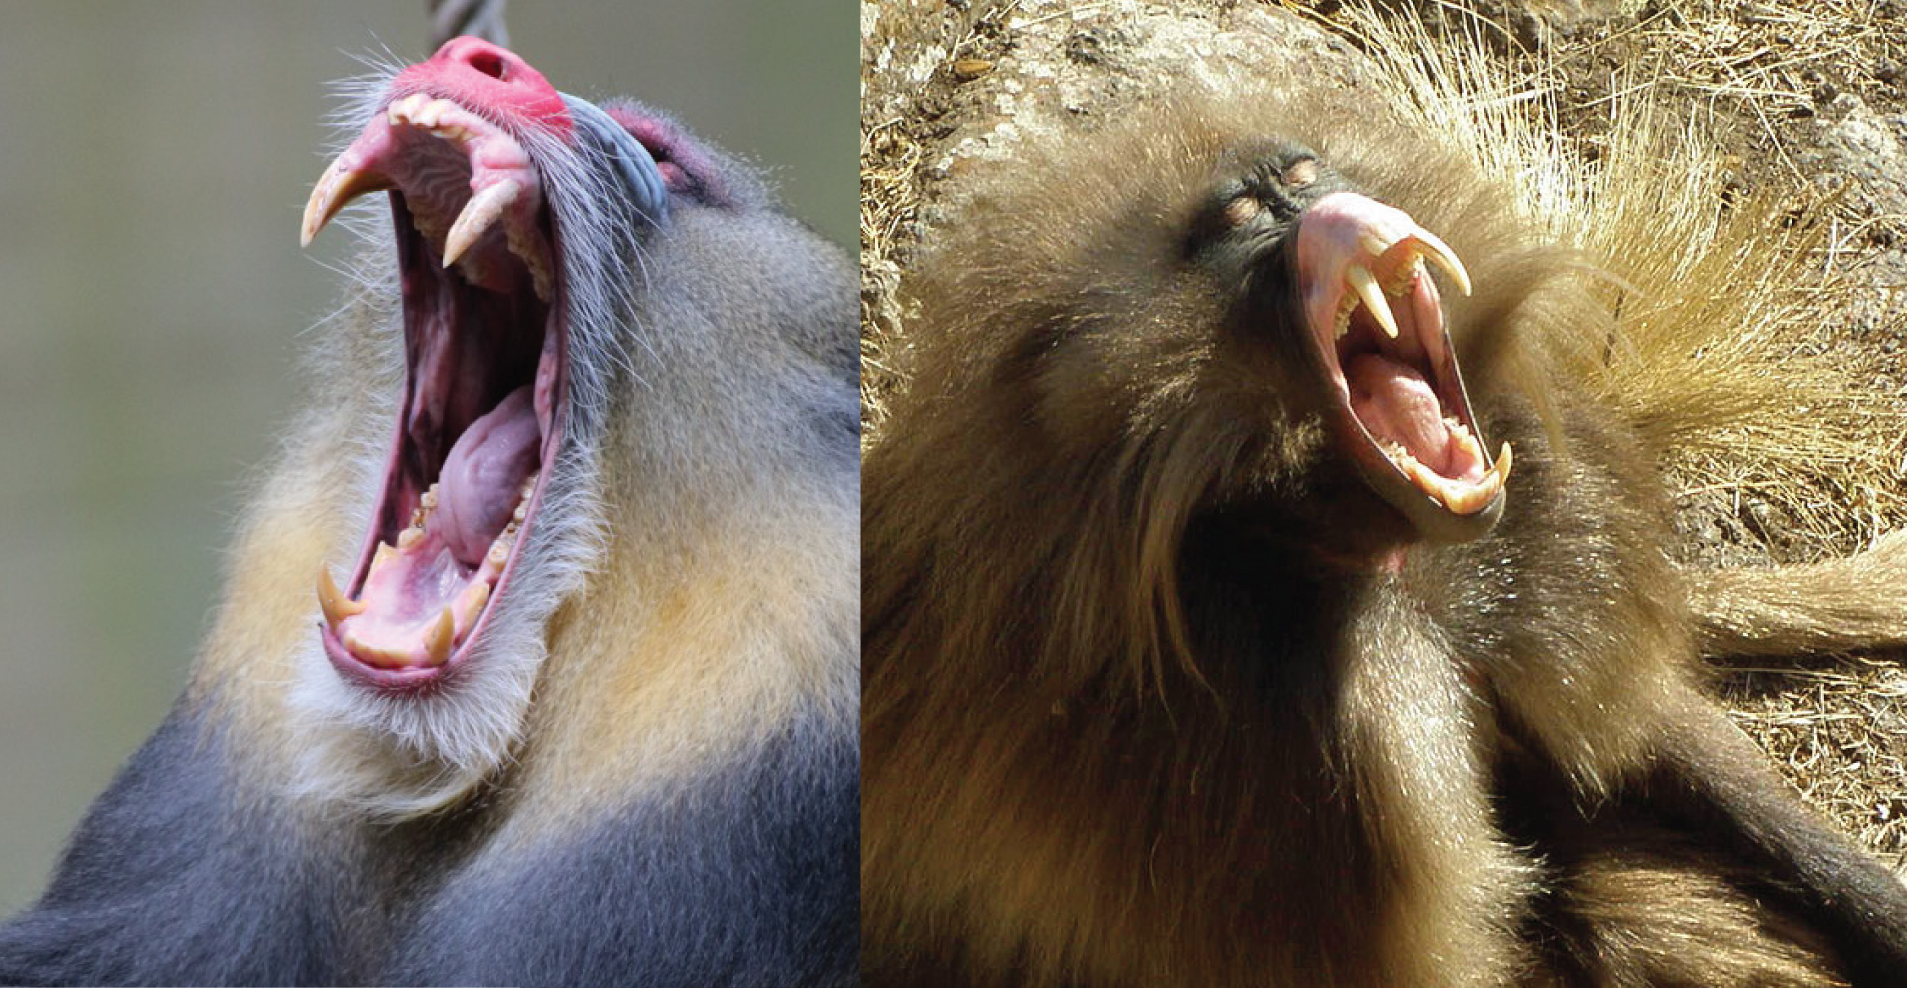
[441, 636]
[1367, 291]
[478, 215]
[518, 515]
[528, 246]
[471, 602]
[498, 555]
[383, 555]
[409, 537]
[332, 601]
[339, 184]
[429, 500]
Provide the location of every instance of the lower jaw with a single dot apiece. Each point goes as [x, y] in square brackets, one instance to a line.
[424, 678]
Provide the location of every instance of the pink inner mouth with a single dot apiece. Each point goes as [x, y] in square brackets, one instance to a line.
[1396, 404]
[477, 431]
[1401, 404]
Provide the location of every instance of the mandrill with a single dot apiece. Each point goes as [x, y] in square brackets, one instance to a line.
[1250, 602]
[574, 699]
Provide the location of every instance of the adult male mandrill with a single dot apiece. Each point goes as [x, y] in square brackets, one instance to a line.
[1214, 639]
[574, 697]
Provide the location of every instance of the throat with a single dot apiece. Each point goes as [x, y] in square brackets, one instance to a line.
[1399, 406]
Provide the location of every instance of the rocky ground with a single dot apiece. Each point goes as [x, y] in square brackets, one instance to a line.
[1805, 103]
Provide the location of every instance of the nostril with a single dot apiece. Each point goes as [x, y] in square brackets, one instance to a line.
[490, 62]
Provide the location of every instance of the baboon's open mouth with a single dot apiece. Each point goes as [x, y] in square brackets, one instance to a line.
[486, 376]
[1401, 409]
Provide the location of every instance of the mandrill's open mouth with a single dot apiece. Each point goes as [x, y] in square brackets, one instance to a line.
[1400, 407]
[486, 378]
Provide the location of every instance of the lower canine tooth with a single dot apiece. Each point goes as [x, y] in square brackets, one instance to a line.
[332, 601]
[1502, 466]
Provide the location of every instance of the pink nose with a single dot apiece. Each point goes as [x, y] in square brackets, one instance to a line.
[484, 77]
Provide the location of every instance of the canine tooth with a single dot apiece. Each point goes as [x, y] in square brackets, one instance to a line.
[339, 184]
[442, 635]
[332, 601]
[1502, 466]
[1372, 296]
[478, 215]
[1428, 245]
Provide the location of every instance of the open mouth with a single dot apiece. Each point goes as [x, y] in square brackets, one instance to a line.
[1378, 328]
[486, 375]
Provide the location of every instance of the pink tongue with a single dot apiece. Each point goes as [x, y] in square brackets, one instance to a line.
[482, 478]
[1395, 402]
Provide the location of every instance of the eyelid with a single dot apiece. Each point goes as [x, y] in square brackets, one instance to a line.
[1242, 209]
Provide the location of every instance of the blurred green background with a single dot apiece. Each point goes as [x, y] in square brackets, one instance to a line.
[154, 160]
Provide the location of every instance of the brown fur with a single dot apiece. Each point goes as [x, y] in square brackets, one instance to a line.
[1834, 605]
[1129, 720]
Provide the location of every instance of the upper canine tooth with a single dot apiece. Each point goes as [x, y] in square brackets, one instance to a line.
[478, 215]
[1372, 296]
[1428, 245]
[339, 184]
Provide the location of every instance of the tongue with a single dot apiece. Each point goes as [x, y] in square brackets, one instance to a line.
[1394, 402]
[482, 478]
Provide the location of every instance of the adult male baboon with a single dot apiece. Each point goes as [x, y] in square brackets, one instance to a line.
[574, 698]
[1214, 635]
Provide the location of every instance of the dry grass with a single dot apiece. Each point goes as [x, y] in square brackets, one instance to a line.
[890, 203]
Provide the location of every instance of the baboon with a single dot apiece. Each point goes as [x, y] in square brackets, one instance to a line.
[538, 662]
[1250, 599]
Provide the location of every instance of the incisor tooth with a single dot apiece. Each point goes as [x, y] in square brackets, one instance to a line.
[441, 637]
[332, 601]
[404, 110]
[478, 215]
[336, 187]
[1372, 296]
